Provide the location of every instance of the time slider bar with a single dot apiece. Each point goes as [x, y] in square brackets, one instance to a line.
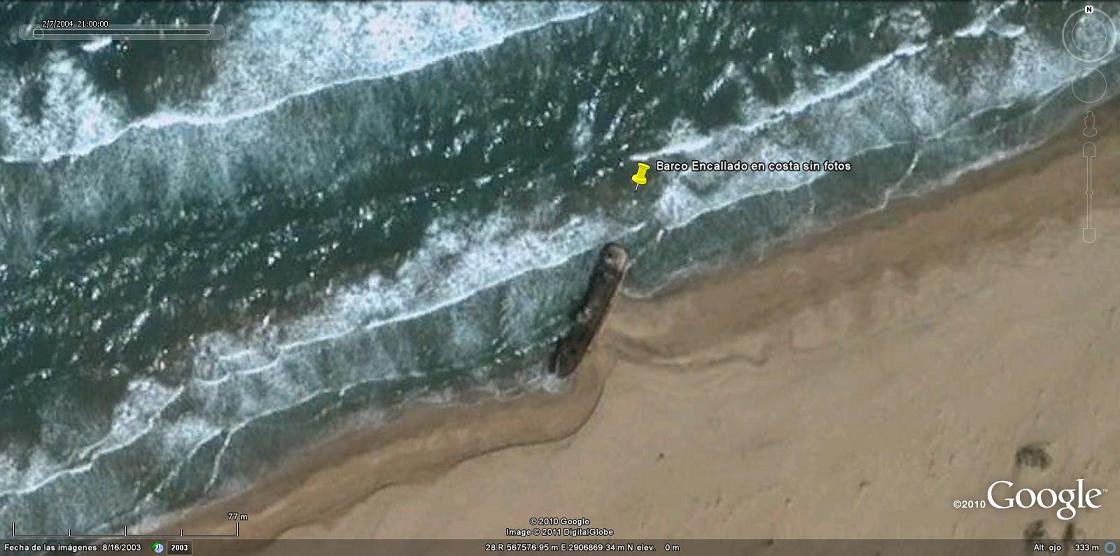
[129, 32]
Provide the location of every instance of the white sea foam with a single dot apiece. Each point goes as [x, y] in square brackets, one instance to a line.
[691, 143]
[802, 100]
[581, 132]
[96, 44]
[980, 25]
[134, 417]
[484, 255]
[73, 109]
[286, 51]
[282, 372]
[900, 97]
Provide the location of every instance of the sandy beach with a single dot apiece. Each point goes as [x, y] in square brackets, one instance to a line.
[855, 384]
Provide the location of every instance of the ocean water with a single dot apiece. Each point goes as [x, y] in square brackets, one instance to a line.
[213, 254]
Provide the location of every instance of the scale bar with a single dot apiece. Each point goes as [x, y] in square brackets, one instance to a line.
[156, 536]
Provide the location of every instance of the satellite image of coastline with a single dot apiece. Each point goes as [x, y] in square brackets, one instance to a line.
[634, 270]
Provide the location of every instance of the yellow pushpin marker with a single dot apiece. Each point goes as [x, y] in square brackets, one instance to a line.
[640, 177]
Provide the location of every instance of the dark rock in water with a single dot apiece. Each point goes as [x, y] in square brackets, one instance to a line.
[606, 280]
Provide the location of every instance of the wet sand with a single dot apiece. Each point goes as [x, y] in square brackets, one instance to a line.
[855, 384]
